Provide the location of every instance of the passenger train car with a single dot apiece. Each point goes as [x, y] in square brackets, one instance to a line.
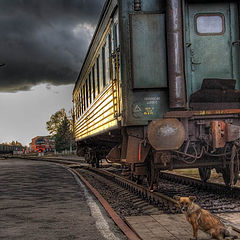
[159, 88]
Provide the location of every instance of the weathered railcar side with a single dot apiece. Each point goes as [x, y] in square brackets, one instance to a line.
[160, 87]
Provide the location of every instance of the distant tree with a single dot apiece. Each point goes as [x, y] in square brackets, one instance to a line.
[55, 121]
[64, 135]
[15, 143]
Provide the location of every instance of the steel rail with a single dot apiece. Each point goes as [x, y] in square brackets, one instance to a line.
[235, 191]
[131, 235]
[155, 197]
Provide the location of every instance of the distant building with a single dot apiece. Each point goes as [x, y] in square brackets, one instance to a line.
[42, 144]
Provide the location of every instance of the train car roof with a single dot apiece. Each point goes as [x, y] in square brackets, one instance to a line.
[105, 7]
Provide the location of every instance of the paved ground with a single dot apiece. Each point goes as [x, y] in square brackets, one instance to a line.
[40, 200]
[164, 227]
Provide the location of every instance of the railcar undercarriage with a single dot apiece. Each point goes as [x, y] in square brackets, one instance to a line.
[212, 142]
[203, 139]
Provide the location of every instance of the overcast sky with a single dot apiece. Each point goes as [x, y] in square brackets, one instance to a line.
[43, 44]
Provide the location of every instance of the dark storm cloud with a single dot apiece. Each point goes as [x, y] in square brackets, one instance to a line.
[44, 41]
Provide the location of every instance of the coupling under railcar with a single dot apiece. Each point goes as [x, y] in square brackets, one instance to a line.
[159, 88]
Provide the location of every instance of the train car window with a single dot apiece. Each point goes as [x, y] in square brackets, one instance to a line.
[115, 37]
[108, 58]
[78, 108]
[118, 35]
[79, 104]
[100, 72]
[98, 76]
[87, 96]
[84, 98]
[75, 106]
[209, 24]
[93, 82]
[103, 66]
[82, 105]
[90, 87]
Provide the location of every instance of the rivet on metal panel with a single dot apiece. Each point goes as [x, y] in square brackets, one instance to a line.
[137, 5]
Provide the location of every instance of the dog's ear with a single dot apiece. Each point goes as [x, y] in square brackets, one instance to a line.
[177, 198]
[192, 198]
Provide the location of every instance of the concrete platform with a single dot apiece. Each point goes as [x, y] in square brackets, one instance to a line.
[40, 200]
[163, 227]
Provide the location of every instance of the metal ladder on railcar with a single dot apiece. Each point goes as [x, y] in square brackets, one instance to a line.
[114, 62]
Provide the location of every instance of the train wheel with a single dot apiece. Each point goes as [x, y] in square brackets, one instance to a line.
[205, 173]
[139, 179]
[95, 162]
[87, 158]
[152, 176]
[231, 171]
[227, 178]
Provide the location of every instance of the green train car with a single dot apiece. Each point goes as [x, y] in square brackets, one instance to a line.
[159, 88]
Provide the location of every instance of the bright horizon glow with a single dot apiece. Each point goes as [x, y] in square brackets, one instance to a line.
[23, 115]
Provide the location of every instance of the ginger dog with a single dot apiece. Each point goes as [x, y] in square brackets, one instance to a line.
[202, 219]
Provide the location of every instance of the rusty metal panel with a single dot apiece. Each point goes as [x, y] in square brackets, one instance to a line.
[218, 134]
[140, 170]
[232, 132]
[148, 48]
[189, 114]
[114, 155]
[132, 149]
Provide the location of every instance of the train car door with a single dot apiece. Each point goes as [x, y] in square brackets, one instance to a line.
[211, 42]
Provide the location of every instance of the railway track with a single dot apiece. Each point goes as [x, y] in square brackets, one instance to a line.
[214, 197]
[163, 201]
[219, 187]
[124, 202]
[129, 198]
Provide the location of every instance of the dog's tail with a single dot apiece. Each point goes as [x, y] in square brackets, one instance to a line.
[227, 232]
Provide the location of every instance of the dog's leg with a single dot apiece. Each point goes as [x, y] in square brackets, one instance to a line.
[195, 230]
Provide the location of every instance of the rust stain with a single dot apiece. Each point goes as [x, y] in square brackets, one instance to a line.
[187, 114]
